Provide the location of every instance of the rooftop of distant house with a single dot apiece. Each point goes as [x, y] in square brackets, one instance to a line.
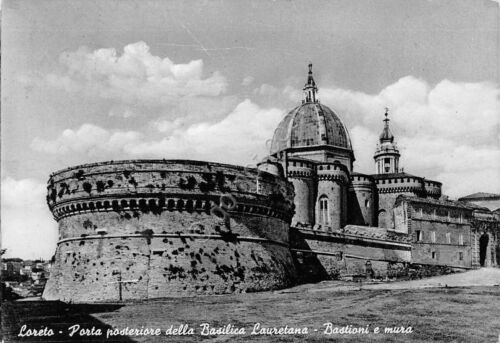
[481, 196]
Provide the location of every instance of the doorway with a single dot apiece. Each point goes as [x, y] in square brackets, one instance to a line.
[483, 246]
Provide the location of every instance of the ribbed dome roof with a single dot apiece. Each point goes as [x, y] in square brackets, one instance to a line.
[310, 124]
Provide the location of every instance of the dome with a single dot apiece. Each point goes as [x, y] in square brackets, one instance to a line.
[310, 124]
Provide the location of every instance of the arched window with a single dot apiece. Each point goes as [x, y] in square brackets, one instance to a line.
[381, 218]
[324, 218]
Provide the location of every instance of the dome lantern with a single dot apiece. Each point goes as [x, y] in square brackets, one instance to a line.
[310, 88]
[387, 154]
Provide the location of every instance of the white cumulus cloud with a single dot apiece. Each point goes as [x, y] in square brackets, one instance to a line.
[28, 229]
[135, 76]
[240, 137]
[87, 139]
[447, 132]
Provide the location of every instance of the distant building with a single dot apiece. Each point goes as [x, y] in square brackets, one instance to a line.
[440, 231]
[489, 200]
[11, 267]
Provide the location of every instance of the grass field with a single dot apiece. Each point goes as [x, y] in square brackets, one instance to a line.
[434, 314]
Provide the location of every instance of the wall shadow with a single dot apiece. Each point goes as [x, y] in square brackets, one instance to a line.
[309, 267]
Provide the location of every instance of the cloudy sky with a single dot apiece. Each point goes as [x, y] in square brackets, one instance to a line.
[86, 81]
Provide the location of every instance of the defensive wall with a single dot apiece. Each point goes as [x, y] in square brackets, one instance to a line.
[322, 253]
[390, 186]
[142, 229]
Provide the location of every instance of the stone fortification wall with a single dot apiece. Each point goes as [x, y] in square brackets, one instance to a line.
[303, 177]
[362, 200]
[154, 228]
[388, 190]
[433, 189]
[328, 255]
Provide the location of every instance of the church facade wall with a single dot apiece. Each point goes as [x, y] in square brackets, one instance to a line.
[302, 175]
[332, 191]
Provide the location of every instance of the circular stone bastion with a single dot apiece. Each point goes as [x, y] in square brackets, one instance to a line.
[142, 229]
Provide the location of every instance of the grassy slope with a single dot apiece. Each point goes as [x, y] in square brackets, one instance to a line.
[445, 314]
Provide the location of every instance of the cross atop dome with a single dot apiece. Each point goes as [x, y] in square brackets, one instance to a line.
[310, 88]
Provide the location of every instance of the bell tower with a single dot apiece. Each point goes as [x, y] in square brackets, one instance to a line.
[387, 154]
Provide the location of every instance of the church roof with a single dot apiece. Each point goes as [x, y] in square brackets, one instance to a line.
[439, 202]
[399, 175]
[393, 175]
[475, 206]
[310, 124]
[481, 196]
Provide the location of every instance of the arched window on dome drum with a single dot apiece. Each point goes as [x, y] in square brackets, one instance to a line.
[324, 217]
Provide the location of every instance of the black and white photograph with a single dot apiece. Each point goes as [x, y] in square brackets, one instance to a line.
[250, 171]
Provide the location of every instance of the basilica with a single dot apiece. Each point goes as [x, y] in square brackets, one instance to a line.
[314, 149]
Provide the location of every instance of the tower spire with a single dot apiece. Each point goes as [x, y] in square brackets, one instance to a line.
[386, 135]
[387, 154]
[310, 88]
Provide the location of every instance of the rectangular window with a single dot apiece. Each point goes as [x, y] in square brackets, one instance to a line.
[461, 256]
[461, 239]
[448, 238]
[433, 236]
[433, 254]
[419, 235]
